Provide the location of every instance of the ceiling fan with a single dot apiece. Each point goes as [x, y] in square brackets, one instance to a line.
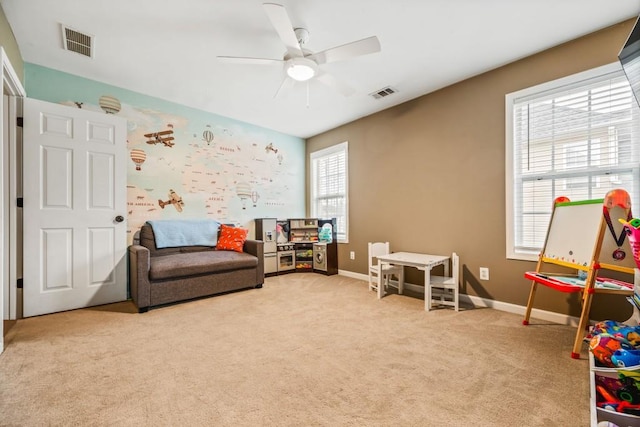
[300, 64]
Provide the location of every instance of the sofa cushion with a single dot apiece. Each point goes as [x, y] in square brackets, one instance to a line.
[195, 263]
[231, 238]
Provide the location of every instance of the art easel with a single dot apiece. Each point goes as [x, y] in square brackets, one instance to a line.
[581, 238]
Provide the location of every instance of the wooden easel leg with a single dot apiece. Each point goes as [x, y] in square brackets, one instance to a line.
[532, 294]
[582, 326]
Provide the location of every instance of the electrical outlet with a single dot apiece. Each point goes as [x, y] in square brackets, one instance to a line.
[484, 273]
[352, 255]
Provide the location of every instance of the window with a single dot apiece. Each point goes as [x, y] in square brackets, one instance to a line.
[577, 137]
[329, 187]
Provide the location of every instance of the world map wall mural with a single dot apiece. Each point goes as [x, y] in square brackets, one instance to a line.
[187, 163]
[192, 166]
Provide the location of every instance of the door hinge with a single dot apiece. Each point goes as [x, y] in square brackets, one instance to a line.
[19, 284]
[20, 202]
[20, 121]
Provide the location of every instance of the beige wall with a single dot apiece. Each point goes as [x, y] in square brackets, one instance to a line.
[429, 175]
[8, 42]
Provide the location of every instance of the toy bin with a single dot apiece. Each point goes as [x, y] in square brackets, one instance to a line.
[620, 387]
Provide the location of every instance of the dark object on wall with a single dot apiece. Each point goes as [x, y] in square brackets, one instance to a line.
[630, 59]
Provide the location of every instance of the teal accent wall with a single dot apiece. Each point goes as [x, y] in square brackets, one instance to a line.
[219, 167]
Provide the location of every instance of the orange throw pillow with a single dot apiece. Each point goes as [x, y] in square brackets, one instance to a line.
[231, 238]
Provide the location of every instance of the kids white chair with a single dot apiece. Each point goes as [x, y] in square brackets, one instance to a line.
[382, 248]
[446, 286]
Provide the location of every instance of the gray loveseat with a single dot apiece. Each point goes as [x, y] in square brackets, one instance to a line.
[168, 275]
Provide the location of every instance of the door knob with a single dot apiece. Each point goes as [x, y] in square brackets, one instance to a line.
[119, 218]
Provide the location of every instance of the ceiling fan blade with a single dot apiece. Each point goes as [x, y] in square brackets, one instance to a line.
[346, 51]
[245, 60]
[281, 22]
[336, 84]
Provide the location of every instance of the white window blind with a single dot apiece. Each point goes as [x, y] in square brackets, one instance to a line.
[578, 137]
[329, 188]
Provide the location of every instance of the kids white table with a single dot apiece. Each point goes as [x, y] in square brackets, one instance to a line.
[423, 262]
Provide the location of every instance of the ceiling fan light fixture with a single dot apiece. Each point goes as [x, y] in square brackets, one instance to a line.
[301, 69]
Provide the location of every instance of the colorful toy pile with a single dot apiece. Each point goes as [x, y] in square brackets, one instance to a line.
[617, 345]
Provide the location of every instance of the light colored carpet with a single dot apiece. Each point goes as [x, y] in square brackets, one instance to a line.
[306, 350]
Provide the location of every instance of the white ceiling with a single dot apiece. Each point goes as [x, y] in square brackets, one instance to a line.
[168, 49]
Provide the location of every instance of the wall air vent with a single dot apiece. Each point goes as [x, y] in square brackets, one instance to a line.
[76, 41]
[384, 92]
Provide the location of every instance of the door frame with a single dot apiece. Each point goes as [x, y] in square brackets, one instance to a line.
[10, 186]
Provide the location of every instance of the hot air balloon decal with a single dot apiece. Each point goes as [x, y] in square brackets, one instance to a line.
[243, 190]
[254, 197]
[138, 156]
[207, 136]
[110, 104]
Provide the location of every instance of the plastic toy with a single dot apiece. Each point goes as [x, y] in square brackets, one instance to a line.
[624, 358]
[617, 197]
[621, 406]
[612, 403]
[630, 390]
[606, 395]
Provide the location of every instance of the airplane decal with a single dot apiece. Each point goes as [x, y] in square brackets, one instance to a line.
[162, 137]
[174, 199]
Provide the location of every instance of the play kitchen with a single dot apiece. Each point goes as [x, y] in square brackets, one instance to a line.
[298, 245]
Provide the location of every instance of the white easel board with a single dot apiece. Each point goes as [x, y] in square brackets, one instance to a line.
[586, 236]
[573, 235]
[573, 232]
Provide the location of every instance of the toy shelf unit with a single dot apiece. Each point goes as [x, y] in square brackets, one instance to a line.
[304, 257]
[606, 384]
[584, 240]
[303, 230]
[298, 245]
[615, 386]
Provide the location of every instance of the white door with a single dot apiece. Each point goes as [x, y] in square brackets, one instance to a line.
[74, 208]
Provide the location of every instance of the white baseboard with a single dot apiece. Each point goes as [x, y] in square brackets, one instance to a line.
[475, 301]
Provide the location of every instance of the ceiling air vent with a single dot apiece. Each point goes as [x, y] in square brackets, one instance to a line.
[384, 92]
[76, 41]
